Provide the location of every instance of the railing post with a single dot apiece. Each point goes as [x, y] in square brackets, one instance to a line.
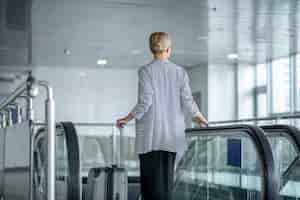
[29, 105]
[10, 120]
[3, 120]
[50, 125]
[29, 109]
[19, 114]
[114, 145]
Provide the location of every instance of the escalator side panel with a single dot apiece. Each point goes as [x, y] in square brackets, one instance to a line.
[2, 143]
[17, 162]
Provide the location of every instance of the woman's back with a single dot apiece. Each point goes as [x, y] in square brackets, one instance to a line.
[162, 125]
[164, 95]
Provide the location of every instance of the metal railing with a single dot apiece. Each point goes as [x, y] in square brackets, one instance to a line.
[245, 120]
[29, 90]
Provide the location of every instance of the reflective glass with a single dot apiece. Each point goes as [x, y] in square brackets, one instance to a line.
[298, 82]
[286, 164]
[40, 165]
[219, 167]
[261, 75]
[281, 85]
[262, 109]
[100, 146]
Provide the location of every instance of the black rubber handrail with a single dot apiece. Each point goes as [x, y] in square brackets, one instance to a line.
[72, 145]
[291, 131]
[264, 151]
[73, 160]
[294, 134]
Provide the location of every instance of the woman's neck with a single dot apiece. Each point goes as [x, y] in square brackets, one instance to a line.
[161, 57]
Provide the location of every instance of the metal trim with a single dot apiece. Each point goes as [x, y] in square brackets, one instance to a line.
[291, 131]
[278, 117]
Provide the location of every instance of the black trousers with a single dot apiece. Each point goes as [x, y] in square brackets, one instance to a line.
[157, 175]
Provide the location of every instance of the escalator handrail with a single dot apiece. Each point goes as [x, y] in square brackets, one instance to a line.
[74, 191]
[294, 134]
[264, 151]
[291, 131]
[72, 145]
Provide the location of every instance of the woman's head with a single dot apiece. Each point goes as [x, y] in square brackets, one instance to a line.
[160, 44]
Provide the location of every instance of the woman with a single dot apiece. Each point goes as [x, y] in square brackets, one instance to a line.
[164, 96]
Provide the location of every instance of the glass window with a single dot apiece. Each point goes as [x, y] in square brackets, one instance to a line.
[281, 85]
[262, 109]
[298, 82]
[261, 75]
[261, 90]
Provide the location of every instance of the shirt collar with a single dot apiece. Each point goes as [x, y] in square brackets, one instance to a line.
[161, 60]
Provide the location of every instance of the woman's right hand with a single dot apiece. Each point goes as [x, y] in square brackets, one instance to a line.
[123, 121]
[201, 121]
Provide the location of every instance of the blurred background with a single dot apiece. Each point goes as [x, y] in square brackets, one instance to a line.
[241, 55]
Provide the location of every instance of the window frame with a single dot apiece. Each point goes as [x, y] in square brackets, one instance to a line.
[268, 88]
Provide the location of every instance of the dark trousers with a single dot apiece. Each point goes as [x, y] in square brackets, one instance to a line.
[157, 175]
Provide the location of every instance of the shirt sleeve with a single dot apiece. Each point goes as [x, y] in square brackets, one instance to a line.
[145, 95]
[187, 101]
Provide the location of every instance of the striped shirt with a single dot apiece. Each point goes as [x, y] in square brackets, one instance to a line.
[164, 96]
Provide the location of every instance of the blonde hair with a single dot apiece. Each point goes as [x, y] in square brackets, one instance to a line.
[159, 42]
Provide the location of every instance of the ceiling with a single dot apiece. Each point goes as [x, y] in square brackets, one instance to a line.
[257, 30]
[76, 33]
[116, 30]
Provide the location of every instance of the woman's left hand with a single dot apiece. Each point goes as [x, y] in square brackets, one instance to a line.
[123, 121]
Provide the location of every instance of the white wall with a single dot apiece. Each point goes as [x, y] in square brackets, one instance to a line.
[221, 92]
[199, 82]
[216, 82]
[102, 95]
[114, 30]
[246, 84]
[5, 88]
[89, 95]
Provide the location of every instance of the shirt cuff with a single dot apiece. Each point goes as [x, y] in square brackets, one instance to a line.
[136, 114]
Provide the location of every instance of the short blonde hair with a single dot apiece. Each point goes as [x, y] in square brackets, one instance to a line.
[159, 42]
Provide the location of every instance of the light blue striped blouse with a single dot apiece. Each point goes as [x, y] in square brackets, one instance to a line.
[164, 95]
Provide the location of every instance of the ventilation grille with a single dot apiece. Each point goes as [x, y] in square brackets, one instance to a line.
[16, 14]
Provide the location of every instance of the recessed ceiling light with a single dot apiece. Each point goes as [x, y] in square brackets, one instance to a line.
[67, 51]
[202, 37]
[102, 62]
[136, 52]
[82, 74]
[232, 56]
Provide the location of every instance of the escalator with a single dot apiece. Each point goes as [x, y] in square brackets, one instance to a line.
[285, 143]
[68, 183]
[229, 162]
